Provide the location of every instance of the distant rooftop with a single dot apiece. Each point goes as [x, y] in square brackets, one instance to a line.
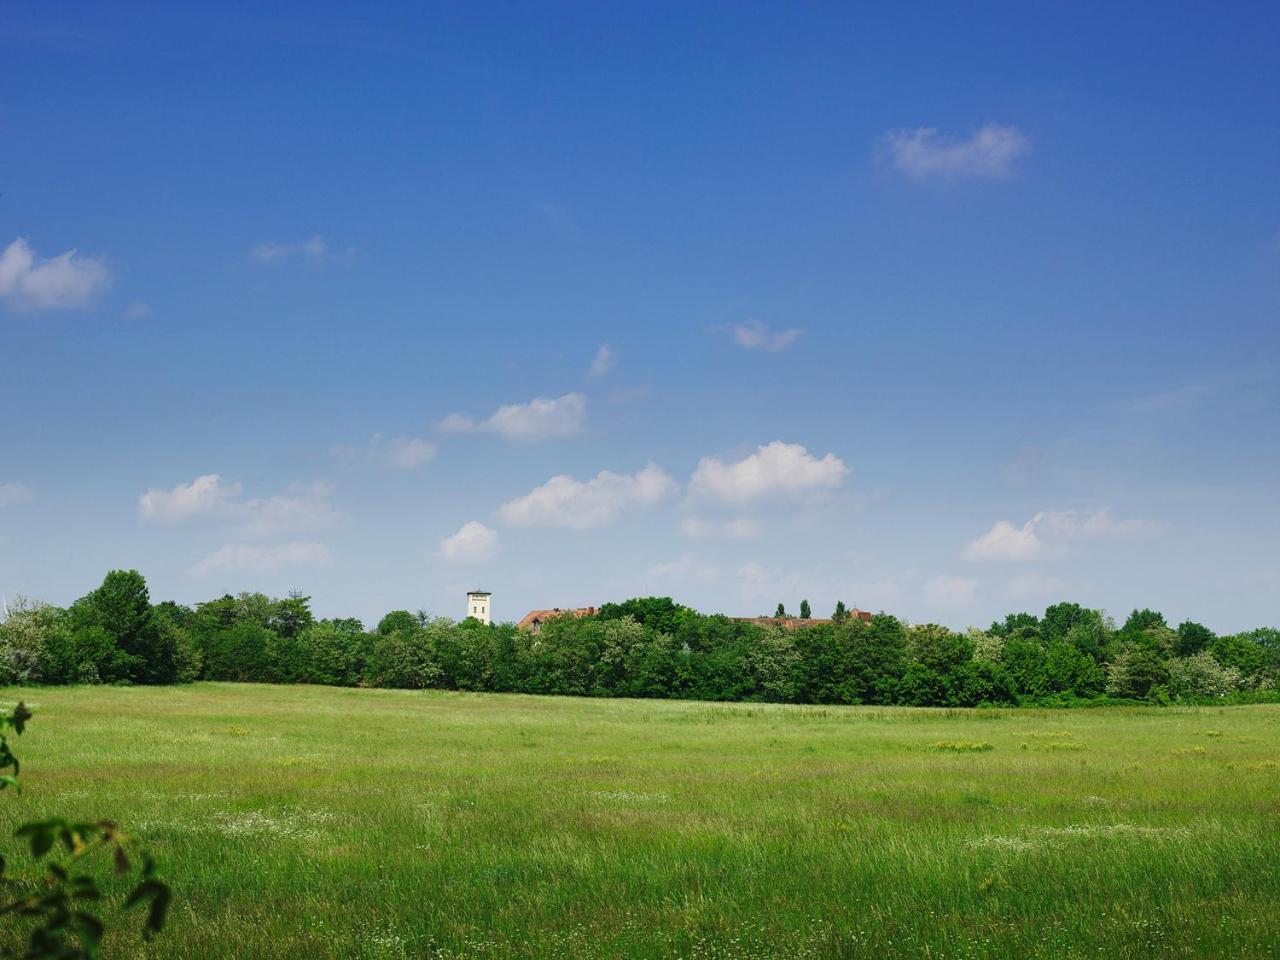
[479, 593]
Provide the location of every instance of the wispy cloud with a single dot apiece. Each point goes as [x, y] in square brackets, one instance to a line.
[1047, 534]
[314, 249]
[13, 494]
[540, 419]
[66, 281]
[261, 558]
[992, 152]
[757, 335]
[400, 453]
[1030, 465]
[581, 505]
[605, 359]
[1249, 390]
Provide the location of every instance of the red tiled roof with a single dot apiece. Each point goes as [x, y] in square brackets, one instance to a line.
[535, 618]
[791, 623]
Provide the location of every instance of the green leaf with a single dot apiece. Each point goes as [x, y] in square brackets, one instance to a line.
[41, 843]
[159, 911]
[160, 895]
[20, 717]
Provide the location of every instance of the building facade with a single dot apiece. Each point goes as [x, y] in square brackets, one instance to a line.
[478, 605]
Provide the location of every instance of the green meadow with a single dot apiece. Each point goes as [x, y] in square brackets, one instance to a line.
[321, 822]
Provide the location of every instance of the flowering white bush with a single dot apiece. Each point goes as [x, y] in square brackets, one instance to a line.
[1201, 675]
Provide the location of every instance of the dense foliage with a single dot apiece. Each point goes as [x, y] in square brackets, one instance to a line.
[647, 647]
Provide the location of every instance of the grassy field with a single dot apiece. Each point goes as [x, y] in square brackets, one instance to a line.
[313, 822]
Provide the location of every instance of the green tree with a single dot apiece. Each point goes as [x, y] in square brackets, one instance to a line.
[1023, 625]
[878, 657]
[1135, 673]
[1091, 635]
[1058, 620]
[771, 663]
[122, 607]
[841, 613]
[1201, 677]
[188, 660]
[396, 621]
[1238, 651]
[936, 669]
[1139, 622]
[239, 652]
[404, 659]
[1192, 638]
[336, 652]
[657, 613]
[292, 615]
[781, 611]
[805, 610]
[36, 645]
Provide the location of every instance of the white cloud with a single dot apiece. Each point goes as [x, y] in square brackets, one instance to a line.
[299, 507]
[540, 419]
[606, 357]
[261, 558]
[315, 249]
[402, 453]
[136, 310]
[736, 528]
[65, 281]
[946, 591]
[1004, 541]
[565, 502]
[992, 152]
[207, 494]
[755, 334]
[774, 469]
[1048, 532]
[12, 494]
[473, 543]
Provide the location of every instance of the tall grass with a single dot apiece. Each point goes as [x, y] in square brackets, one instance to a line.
[320, 822]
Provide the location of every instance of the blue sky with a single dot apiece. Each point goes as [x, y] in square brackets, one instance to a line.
[941, 311]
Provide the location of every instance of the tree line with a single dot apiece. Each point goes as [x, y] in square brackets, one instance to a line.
[645, 647]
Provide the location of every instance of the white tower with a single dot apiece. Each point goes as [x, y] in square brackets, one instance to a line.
[478, 605]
